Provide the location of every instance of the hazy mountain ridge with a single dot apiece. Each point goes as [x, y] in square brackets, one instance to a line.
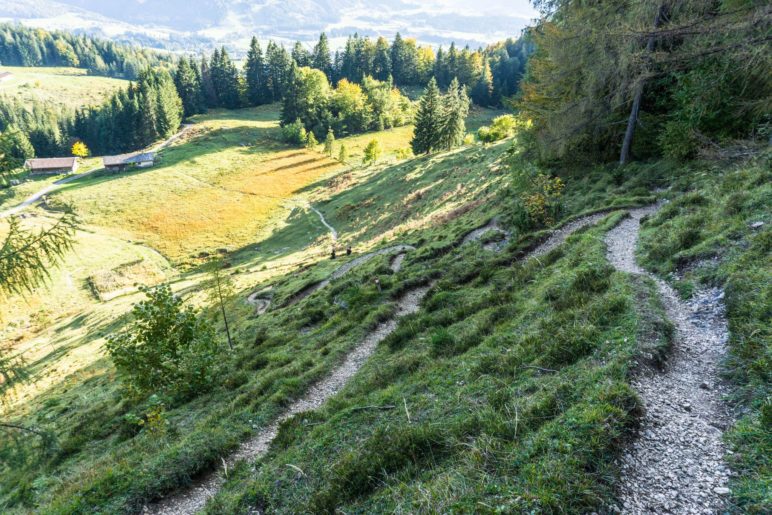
[201, 24]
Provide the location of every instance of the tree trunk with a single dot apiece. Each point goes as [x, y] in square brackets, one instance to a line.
[638, 95]
[224, 316]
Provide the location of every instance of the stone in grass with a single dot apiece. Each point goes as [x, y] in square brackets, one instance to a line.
[721, 490]
[757, 225]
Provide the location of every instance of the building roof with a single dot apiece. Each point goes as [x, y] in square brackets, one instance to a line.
[124, 159]
[50, 163]
[5, 75]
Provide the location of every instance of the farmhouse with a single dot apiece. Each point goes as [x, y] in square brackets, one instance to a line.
[4, 76]
[124, 161]
[52, 165]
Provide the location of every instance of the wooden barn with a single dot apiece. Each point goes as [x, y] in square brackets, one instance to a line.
[123, 161]
[52, 165]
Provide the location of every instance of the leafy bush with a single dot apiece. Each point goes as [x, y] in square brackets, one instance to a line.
[167, 348]
[295, 133]
[502, 127]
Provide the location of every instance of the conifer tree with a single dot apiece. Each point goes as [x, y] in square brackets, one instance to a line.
[382, 60]
[254, 69]
[483, 90]
[454, 112]
[342, 153]
[329, 141]
[428, 121]
[301, 55]
[311, 142]
[320, 58]
[188, 88]
[207, 85]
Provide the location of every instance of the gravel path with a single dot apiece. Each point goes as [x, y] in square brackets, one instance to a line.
[332, 230]
[194, 498]
[344, 269]
[675, 465]
[494, 246]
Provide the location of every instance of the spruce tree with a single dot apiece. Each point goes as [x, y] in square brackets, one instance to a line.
[428, 121]
[188, 89]
[482, 93]
[329, 141]
[320, 58]
[382, 60]
[454, 112]
[207, 84]
[301, 55]
[254, 69]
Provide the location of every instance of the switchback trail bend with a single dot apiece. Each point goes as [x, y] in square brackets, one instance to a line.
[194, 498]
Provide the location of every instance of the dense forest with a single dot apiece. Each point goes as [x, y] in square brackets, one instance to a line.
[365, 73]
[651, 79]
[24, 46]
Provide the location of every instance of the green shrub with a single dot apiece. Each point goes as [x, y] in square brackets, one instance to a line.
[167, 348]
[502, 127]
[295, 133]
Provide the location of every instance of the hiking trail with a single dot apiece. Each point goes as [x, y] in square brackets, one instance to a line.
[675, 465]
[193, 498]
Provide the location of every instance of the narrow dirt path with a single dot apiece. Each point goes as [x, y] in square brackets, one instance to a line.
[332, 230]
[193, 499]
[344, 269]
[676, 463]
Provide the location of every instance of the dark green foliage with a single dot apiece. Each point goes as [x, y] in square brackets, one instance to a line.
[187, 80]
[698, 81]
[167, 348]
[455, 110]
[428, 121]
[226, 80]
[256, 73]
[440, 119]
[130, 119]
[27, 46]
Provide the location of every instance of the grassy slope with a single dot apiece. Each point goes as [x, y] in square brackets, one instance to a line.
[485, 430]
[75, 386]
[71, 87]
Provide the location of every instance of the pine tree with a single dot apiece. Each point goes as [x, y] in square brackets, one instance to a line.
[329, 141]
[428, 121]
[382, 60]
[188, 88]
[301, 55]
[311, 142]
[320, 58]
[207, 84]
[454, 112]
[342, 153]
[398, 60]
[254, 69]
[482, 92]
